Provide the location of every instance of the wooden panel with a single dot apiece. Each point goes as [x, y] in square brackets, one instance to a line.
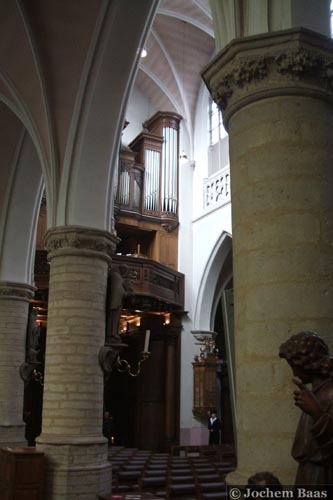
[148, 277]
[163, 119]
[204, 387]
[154, 279]
[151, 402]
[151, 433]
[168, 245]
[21, 473]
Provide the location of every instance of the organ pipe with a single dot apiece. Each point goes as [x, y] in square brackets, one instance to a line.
[152, 180]
[169, 170]
[124, 188]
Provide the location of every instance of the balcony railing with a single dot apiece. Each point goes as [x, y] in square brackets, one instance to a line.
[154, 280]
[217, 189]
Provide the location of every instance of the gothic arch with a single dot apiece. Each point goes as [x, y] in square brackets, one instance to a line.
[22, 186]
[211, 284]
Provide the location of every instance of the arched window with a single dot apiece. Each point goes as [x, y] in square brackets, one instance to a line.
[215, 126]
[218, 151]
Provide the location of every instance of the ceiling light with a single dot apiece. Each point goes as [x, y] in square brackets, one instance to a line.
[144, 52]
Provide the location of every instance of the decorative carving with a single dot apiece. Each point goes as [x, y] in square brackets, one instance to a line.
[217, 189]
[298, 62]
[151, 279]
[206, 340]
[71, 238]
[170, 227]
[125, 165]
[244, 72]
[266, 65]
[157, 279]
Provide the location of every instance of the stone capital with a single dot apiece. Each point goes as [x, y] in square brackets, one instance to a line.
[16, 291]
[74, 240]
[291, 62]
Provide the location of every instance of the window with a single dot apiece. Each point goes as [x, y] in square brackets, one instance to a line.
[216, 129]
[331, 14]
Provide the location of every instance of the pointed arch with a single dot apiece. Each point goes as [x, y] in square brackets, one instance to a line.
[211, 285]
[20, 210]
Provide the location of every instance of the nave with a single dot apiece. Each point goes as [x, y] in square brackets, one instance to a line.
[187, 472]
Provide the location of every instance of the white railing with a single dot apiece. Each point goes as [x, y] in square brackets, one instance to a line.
[217, 189]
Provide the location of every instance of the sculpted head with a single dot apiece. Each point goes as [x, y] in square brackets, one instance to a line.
[308, 356]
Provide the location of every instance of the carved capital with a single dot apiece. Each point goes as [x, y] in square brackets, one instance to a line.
[16, 291]
[71, 240]
[291, 62]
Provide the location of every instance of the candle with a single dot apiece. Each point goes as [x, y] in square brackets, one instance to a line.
[138, 249]
[147, 337]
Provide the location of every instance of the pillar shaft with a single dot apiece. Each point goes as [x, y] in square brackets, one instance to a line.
[14, 308]
[276, 94]
[73, 391]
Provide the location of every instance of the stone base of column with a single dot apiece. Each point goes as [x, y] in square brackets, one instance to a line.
[12, 435]
[76, 468]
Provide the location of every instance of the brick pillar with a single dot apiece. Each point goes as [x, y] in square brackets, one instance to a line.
[14, 309]
[276, 93]
[71, 438]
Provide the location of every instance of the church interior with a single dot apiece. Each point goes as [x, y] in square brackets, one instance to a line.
[166, 224]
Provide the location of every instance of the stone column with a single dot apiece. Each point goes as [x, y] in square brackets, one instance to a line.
[71, 438]
[14, 309]
[276, 93]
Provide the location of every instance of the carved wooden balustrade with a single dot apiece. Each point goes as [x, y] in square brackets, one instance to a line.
[158, 287]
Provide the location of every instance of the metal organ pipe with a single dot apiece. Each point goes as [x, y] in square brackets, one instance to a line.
[152, 179]
[157, 161]
[124, 187]
[175, 171]
[169, 170]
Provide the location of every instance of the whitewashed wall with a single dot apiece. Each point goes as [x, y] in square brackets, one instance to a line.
[201, 234]
[139, 110]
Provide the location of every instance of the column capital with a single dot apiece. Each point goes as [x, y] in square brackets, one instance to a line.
[291, 62]
[69, 240]
[16, 291]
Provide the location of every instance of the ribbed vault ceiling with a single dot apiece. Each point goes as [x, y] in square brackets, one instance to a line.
[180, 44]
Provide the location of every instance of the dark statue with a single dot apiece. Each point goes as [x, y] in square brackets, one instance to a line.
[119, 286]
[31, 368]
[308, 356]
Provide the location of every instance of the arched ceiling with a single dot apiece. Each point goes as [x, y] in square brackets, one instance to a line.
[180, 44]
